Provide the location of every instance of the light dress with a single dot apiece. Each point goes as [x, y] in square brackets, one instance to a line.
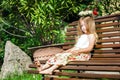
[64, 58]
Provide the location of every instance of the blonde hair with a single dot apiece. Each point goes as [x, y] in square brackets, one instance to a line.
[90, 26]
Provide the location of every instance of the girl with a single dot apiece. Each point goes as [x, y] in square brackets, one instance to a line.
[80, 51]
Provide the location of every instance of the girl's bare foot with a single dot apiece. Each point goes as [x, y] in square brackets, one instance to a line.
[47, 71]
[46, 66]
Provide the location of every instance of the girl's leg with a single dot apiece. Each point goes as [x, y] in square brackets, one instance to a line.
[50, 70]
[45, 66]
[39, 67]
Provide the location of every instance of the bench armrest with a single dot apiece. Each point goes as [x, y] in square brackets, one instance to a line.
[32, 49]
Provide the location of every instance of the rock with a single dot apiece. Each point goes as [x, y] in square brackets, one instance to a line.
[16, 61]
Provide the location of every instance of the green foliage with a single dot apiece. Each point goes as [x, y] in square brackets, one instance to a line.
[36, 22]
[24, 77]
[109, 6]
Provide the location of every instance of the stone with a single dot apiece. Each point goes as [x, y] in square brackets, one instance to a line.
[16, 61]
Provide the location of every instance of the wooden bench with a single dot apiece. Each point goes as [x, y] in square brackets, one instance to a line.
[105, 56]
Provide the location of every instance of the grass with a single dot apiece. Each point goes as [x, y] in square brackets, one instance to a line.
[25, 76]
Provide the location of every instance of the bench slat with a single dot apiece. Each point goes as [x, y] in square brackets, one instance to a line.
[107, 51]
[105, 59]
[97, 46]
[107, 16]
[72, 33]
[68, 38]
[109, 35]
[96, 63]
[107, 24]
[108, 30]
[106, 55]
[88, 75]
[108, 46]
[71, 29]
[109, 40]
[108, 19]
[84, 75]
[67, 47]
[91, 68]
[69, 43]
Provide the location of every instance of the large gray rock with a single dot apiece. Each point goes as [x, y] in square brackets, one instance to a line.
[15, 60]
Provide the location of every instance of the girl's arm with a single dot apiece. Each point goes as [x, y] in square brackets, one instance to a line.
[70, 50]
[89, 48]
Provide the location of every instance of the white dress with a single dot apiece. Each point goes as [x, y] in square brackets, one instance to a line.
[64, 58]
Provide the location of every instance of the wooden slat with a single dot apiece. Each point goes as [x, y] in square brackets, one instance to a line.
[32, 49]
[105, 59]
[107, 16]
[32, 66]
[67, 47]
[106, 55]
[108, 19]
[73, 23]
[109, 40]
[91, 68]
[72, 33]
[109, 35]
[107, 24]
[107, 51]
[69, 38]
[88, 75]
[109, 30]
[96, 63]
[69, 43]
[107, 46]
[71, 29]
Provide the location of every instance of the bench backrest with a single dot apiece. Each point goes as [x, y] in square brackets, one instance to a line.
[108, 30]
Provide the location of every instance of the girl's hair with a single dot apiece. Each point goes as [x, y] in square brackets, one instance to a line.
[90, 26]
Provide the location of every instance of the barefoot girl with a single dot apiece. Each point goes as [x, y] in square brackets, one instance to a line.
[81, 50]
